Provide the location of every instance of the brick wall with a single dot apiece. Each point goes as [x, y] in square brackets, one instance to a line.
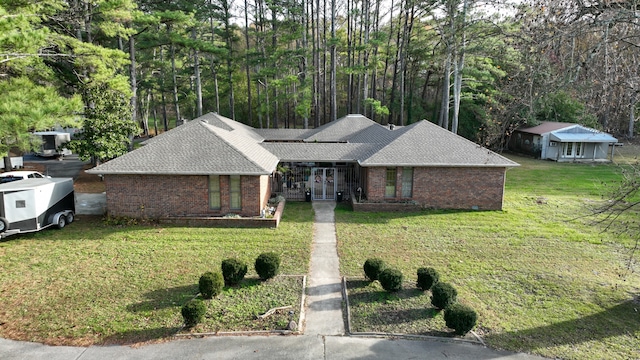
[444, 188]
[156, 196]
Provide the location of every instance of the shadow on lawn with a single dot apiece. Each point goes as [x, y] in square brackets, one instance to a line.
[344, 215]
[407, 315]
[165, 298]
[622, 319]
[365, 293]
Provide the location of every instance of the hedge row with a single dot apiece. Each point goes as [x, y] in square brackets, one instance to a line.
[233, 271]
[458, 317]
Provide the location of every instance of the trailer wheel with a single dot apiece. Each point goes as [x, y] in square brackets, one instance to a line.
[62, 221]
[4, 225]
[70, 217]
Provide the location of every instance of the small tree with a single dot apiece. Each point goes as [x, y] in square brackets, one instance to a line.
[210, 284]
[391, 279]
[108, 128]
[460, 318]
[443, 295]
[193, 312]
[372, 268]
[267, 265]
[427, 277]
[233, 271]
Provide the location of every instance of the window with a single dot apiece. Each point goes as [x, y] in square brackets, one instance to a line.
[235, 192]
[214, 192]
[390, 186]
[407, 182]
[573, 149]
[21, 204]
[568, 149]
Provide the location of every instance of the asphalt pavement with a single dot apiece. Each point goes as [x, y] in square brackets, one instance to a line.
[69, 166]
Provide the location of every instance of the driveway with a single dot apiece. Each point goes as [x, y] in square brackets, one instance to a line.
[70, 167]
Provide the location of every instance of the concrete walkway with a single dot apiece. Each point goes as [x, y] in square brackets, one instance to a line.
[324, 304]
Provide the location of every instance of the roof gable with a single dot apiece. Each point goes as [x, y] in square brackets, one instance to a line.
[341, 129]
[427, 144]
[581, 133]
[195, 148]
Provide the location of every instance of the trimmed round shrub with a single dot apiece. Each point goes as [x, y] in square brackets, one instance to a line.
[267, 265]
[443, 295]
[427, 277]
[193, 312]
[460, 318]
[390, 279]
[210, 284]
[233, 271]
[372, 268]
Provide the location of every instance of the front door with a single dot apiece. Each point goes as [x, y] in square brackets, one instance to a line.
[323, 185]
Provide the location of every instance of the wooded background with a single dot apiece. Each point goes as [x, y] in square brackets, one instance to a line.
[478, 68]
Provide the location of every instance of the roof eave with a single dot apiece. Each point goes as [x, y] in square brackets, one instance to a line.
[440, 165]
[198, 173]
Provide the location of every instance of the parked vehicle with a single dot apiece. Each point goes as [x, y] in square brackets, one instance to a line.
[52, 142]
[34, 204]
[20, 175]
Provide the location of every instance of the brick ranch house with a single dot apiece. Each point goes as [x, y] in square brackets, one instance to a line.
[213, 166]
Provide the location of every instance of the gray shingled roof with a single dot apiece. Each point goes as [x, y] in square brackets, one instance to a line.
[374, 133]
[426, 144]
[284, 134]
[214, 144]
[225, 123]
[341, 130]
[319, 152]
[195, 148]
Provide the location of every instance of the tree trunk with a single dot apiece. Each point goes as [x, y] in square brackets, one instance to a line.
[459, 66]
[165, 119]
[248, 73]
[446, 84]
[333, 90]
[134, 84]
[196, 71]
[7, 163]
[632, 119]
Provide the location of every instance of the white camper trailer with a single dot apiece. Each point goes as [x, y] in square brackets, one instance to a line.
[51, 142]
[34, 204]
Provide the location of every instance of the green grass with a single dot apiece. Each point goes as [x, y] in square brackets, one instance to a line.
[237, 308]
[541, 276]
[93, 283]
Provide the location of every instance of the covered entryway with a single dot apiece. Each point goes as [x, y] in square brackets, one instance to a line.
[323, 181]
[323, 186]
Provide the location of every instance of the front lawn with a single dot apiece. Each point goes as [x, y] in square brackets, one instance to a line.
[542, 278]
[94, 283]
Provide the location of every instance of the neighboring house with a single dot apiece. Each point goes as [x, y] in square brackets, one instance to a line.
[562, 142]
[213, 166]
